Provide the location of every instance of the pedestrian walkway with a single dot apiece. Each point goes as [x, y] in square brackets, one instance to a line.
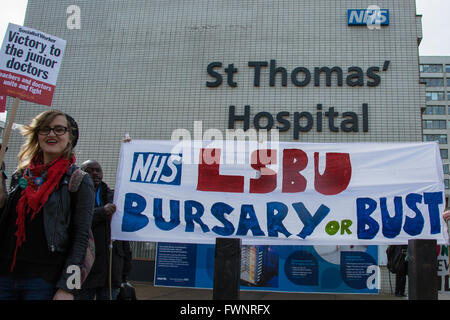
[146, 291]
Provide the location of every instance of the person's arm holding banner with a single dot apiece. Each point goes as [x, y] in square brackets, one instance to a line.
[127, 138]
[446, 215]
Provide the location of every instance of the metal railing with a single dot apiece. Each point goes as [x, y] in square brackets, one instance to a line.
[143, 250]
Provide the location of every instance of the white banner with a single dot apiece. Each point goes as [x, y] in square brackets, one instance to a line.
[279, 193]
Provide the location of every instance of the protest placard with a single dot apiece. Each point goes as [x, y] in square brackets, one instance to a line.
[29, 64]
[288, 193]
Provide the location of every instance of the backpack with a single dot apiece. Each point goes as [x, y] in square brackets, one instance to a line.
[397, 260]
[74, 183]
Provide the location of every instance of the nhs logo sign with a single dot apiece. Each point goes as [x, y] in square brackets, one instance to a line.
[369, 17]
[158, 168]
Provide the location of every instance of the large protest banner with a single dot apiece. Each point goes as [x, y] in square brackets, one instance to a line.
[29, 64]
[279, 193]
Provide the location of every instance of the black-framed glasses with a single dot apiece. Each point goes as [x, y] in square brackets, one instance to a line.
[58, 130]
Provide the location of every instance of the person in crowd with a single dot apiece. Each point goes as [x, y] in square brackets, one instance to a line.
[44, 228]
[400, 276]
[106, 276]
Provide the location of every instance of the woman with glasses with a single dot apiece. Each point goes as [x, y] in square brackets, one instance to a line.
[44, 228]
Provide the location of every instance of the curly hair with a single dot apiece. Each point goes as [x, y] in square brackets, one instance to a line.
[31, 148]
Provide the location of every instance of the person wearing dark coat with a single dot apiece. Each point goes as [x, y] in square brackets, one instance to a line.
[97, 284]
[400, 277]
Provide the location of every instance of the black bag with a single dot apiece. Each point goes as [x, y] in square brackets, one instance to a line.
[397, 259]
[127, 292]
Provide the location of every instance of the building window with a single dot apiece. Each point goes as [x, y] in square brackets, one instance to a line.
[442, 138]
[447, 68]
[433, 82]
[435, 95]
[444, 154]
[434, 110]
[446, 184]
[448, 80]
[445, 168]
[434, 124]
[428, 68]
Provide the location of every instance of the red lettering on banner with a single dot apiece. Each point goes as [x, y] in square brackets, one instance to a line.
[335, 178]
[209, 178]
[337, 174]
[294, 161]
[267, 182]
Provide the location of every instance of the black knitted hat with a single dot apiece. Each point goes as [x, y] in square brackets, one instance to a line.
[75, 132]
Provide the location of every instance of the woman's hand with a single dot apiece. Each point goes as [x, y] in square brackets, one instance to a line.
[446, 215]
[62, 295]
[127, 138]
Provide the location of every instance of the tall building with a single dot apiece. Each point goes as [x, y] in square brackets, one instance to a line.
[435, 74]
[314, 69]
[148, 68]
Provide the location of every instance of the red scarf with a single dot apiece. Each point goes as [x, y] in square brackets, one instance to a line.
[34, 196]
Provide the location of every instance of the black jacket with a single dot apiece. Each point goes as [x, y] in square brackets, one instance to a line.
[121, 257]
[67, 219]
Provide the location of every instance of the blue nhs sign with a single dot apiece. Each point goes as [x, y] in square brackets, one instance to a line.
[361, 17]
[158, 168]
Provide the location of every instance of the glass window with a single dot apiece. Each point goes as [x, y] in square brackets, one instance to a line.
[444, 154]
[434, 110]
[433, 82]
[448, 80]
[431, 68]
[442, 138]
[434, 95]
[447, 68]
[445, 168]
[434, 124]
[446, 183]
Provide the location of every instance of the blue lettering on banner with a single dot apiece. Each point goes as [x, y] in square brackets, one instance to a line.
[310, 222]
[158, 168]
[133, 219]
[368, 227]
[174, 214]
[361, 17]
[250, 223]
[388, 215]
[218, 210]
[414, 226]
